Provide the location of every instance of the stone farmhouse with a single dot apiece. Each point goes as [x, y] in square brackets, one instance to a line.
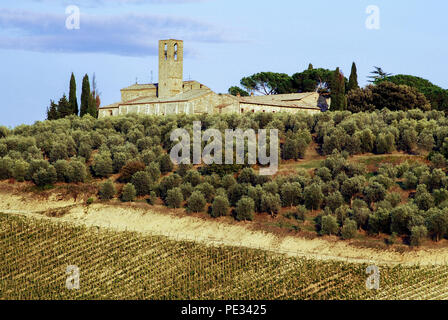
[172, 95]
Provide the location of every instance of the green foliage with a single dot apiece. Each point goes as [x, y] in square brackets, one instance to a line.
[386, 95]
[166, 165]
[374, 192]
[385, 143]
[168, 183]
[313, 196]
[295, 145]
[72, 98]
[401, 217]
[207, 190]
[64, 170]
[220, 207]
[182, 169]
[423, 198]
[102, 165]
[245, 209]
[338, 98]
[378, 75]
[291, 194]
[393, 198]
[45, 177]
[234, 91]
[313, 79]
[79, 171]
[329, 225]
[193, 177]
[268, 83]
[353, 80]
[154, 171]
[129, 193]
[379, 221]
[20, 170]
[334, 201]
[349, 229]
[270, 203]
[85, 96]
[58, 152]
[352, 187]
[135, 144]
[247, 175]
[107, 190]
[410, 180]
[142, 183]
[437, 223]
[228, 181]
[235, 193]
[437, 96]
[196, 202]
[174, 198]
[187, 190]
[418, 234]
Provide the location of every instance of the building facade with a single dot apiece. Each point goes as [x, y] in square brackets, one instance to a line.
[172, 95]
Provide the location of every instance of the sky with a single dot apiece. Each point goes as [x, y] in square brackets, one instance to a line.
[224, 40]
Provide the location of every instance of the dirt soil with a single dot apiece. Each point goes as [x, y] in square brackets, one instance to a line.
[159, 221]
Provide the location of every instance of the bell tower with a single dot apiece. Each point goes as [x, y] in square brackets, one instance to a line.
[171, 67]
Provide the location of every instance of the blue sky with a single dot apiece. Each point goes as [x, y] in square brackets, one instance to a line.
[224, 40]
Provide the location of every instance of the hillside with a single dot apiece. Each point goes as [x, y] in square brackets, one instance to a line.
[377, 178]
[127, 265]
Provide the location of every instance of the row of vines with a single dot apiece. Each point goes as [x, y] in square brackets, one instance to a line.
[34, 255]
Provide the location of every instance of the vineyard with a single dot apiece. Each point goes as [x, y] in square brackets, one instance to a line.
[34, 255]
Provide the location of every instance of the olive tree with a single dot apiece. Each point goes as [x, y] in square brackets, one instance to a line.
[220, 207]
[245, 209]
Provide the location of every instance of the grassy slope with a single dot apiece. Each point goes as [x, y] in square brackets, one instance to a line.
[124, 265]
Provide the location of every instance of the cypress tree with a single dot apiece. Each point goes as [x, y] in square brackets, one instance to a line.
[338, 98]
[353, 81]
[92, 109]
[94, 99]
[72, 96]
[85, 95]
[310, 66]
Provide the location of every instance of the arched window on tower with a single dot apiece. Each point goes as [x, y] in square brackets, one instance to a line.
[166, 51]
[175, 52]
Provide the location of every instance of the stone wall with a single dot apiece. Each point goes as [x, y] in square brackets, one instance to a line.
[249, 107]
[128, 95]
[171, 58]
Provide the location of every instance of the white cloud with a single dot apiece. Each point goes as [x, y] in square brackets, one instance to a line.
[127, 34]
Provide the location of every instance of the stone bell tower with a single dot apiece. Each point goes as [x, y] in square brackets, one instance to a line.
[171, 67]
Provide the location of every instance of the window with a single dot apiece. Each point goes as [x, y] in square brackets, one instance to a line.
[175, 52]
[110, 112]
[166, 51]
